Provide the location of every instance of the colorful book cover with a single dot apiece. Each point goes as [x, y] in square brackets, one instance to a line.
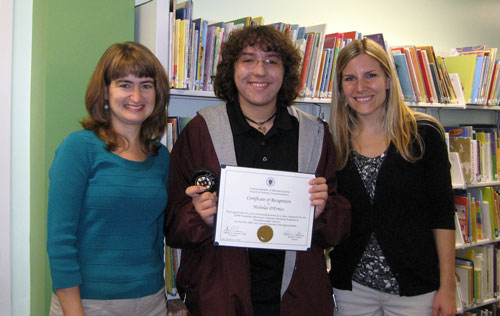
[404, 77]
[320, 31]
[465, 67]
[477, 80]
[458, 131]
[377, 38]
[350, 36]
[425, 76]
[463, 146]
[418, 73]
[207, 79]
[462, 210]
[479, 221]
[437, 86]
[305, 64]
[317, 88]
[487, 193]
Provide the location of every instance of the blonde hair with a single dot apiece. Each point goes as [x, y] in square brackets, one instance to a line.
[399, 122]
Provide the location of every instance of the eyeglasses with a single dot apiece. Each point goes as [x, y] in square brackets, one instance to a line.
[251, 63]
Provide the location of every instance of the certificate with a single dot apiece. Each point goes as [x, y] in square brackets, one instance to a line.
[261, 208]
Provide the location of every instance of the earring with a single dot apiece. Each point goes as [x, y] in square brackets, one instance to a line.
[106, 106]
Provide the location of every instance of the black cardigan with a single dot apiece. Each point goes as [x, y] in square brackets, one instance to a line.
[411, 199]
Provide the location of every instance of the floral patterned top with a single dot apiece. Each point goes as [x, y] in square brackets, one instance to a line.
[373, 270]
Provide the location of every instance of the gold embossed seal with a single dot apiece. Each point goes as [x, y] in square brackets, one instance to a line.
[265, 233]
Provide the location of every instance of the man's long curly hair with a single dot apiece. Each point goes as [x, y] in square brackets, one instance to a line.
[269, 40]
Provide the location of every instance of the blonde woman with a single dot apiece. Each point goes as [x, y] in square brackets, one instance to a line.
[392, 165]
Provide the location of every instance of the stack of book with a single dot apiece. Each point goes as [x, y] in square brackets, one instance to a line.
[175, 124]
[172, 262]
[478, 214]
[478, 69]
[423, 75]
[477, 147]
[193, 46]
[477, 274]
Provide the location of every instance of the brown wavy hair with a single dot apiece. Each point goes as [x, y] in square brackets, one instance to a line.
[118, 61]
[269, 40]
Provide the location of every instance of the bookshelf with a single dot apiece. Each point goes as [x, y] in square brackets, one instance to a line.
[186, 102]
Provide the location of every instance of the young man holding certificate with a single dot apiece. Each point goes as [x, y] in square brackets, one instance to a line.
[256, 127]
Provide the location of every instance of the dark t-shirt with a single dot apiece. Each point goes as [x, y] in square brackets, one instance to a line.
[277, 150]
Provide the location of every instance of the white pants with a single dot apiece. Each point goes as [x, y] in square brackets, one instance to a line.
[151, 305]
[364, 301]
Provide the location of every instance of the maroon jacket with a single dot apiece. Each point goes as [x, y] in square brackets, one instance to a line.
[216, 280]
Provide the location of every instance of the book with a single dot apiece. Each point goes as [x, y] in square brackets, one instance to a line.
[463, 146]
[378, 38]
[428, 75]
[462, 212]
[305, 65]
[465, 277]
[315, 60]
[404, 77]
[425, 76]
[478, 71]
[465, 67]
[200, 25]
[457, 88]
[317, 89]
[351, 35]
[207, 79]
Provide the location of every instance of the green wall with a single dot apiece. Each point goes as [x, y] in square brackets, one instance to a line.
[68, 39]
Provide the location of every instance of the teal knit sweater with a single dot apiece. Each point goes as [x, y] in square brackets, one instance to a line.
[105, 220]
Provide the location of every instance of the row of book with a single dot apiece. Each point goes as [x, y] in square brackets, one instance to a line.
[423, 75]
[477, 147]
[194, 49]
[174, 126]
[478, 214]
[492, 310]
[478, 275]
[172, 262]
[468, 76]
[478, 69]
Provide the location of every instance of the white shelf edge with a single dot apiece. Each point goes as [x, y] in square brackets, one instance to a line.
[139, 2]
[210, 94]
[485, 302]
[482, 184]
[477, 243]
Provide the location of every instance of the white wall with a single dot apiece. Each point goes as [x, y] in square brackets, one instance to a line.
[20, 206]
[6, 29]
[443, 24]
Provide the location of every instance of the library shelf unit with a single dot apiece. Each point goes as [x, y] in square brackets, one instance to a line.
[150, 30]
[461, 247]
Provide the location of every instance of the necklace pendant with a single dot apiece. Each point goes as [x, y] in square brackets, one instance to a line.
[262, 129]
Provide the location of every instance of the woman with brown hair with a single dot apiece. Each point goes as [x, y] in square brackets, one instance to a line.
[108, 193]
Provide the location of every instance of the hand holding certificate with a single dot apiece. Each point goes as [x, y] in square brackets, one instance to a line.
[261, 208]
